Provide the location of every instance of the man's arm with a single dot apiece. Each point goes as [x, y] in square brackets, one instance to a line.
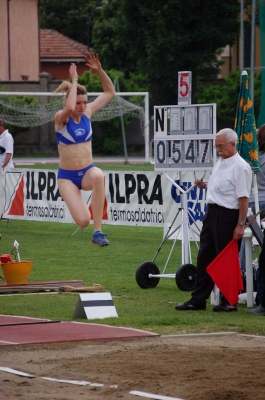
[7, 159]
[243, 210]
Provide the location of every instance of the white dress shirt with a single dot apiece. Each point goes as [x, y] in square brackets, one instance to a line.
[7, 142]
[230, 180]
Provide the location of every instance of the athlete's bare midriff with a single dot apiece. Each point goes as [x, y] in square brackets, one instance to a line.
[75, 156]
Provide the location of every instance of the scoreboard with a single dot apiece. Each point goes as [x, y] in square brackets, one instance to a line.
[184, 137]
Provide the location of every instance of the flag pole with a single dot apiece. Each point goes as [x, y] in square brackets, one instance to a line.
[252, 50]
[252, 219]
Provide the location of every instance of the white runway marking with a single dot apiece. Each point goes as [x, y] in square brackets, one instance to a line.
[73, 382]
[153, 396]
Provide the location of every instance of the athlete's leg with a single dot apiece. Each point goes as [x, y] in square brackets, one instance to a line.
[94, 180]
[74, 201]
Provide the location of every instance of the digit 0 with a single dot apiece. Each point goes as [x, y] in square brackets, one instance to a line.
[161, 152]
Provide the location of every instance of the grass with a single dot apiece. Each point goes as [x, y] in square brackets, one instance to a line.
[103, 166]
[59, 256]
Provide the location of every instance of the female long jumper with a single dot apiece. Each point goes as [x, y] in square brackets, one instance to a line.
[74, 137]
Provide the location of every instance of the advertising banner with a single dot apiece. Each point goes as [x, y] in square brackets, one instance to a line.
[131, 198]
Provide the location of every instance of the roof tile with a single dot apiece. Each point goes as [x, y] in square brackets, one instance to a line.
[55, 45]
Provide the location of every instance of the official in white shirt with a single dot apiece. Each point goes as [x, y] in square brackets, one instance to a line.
[6, 146]
[227, 206]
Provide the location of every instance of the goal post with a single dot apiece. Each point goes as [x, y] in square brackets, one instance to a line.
[37, 114]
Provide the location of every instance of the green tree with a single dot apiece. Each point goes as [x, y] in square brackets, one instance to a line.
[159, 38]
[225, 95]
[72, 18]
[108, 137]
[156, 38]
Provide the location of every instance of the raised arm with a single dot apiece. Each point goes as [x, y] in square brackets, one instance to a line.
[62, 115]
[108, 88]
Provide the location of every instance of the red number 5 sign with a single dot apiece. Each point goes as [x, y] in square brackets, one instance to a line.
[184, 87]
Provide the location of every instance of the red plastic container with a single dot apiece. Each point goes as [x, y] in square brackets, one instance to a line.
[5, 258]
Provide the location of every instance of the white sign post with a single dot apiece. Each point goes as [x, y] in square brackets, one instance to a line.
[184, 87]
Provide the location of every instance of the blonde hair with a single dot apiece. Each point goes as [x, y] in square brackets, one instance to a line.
[65, 86]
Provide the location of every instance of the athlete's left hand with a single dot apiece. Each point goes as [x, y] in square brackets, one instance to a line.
[92, 61]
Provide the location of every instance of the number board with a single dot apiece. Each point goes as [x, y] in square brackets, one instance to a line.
[184, 87]
[184, 137]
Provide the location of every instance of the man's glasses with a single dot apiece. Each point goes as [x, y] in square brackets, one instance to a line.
[221, 146]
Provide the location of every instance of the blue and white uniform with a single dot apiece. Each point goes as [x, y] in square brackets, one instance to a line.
[73, 133]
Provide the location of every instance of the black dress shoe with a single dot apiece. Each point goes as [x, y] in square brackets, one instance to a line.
[225, 308]
[189, 306]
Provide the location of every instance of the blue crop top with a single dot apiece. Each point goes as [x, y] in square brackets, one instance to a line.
[73, 133]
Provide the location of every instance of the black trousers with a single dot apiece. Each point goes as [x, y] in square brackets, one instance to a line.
[217, 231]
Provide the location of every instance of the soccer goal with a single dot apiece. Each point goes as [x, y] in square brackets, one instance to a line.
[40, 108]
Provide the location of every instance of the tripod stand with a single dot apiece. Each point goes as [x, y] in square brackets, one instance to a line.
[148, 274]
[186, 257]
[9, 222]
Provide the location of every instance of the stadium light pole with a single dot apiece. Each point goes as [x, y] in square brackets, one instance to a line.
[252, 50]
[241, 60]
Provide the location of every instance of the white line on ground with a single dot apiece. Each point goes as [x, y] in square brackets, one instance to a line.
[153, 396]
[253, 336]
[73, 382]
[4, 341]
[201, 334]
[80, 383]
[19, 316]
[15, 372]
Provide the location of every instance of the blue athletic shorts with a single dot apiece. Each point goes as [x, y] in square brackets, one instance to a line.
[73, 176]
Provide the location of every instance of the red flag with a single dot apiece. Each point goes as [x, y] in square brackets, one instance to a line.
[225, 272]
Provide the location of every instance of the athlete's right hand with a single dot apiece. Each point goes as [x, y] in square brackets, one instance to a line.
[72, 71]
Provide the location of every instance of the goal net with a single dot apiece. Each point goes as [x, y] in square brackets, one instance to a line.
[29, 109]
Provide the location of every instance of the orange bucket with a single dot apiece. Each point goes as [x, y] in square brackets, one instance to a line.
[17, 272]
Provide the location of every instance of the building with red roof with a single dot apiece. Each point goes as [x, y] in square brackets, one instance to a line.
[57, 52]
[19, 44]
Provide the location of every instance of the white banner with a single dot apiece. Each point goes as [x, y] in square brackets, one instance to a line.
[132, 198]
